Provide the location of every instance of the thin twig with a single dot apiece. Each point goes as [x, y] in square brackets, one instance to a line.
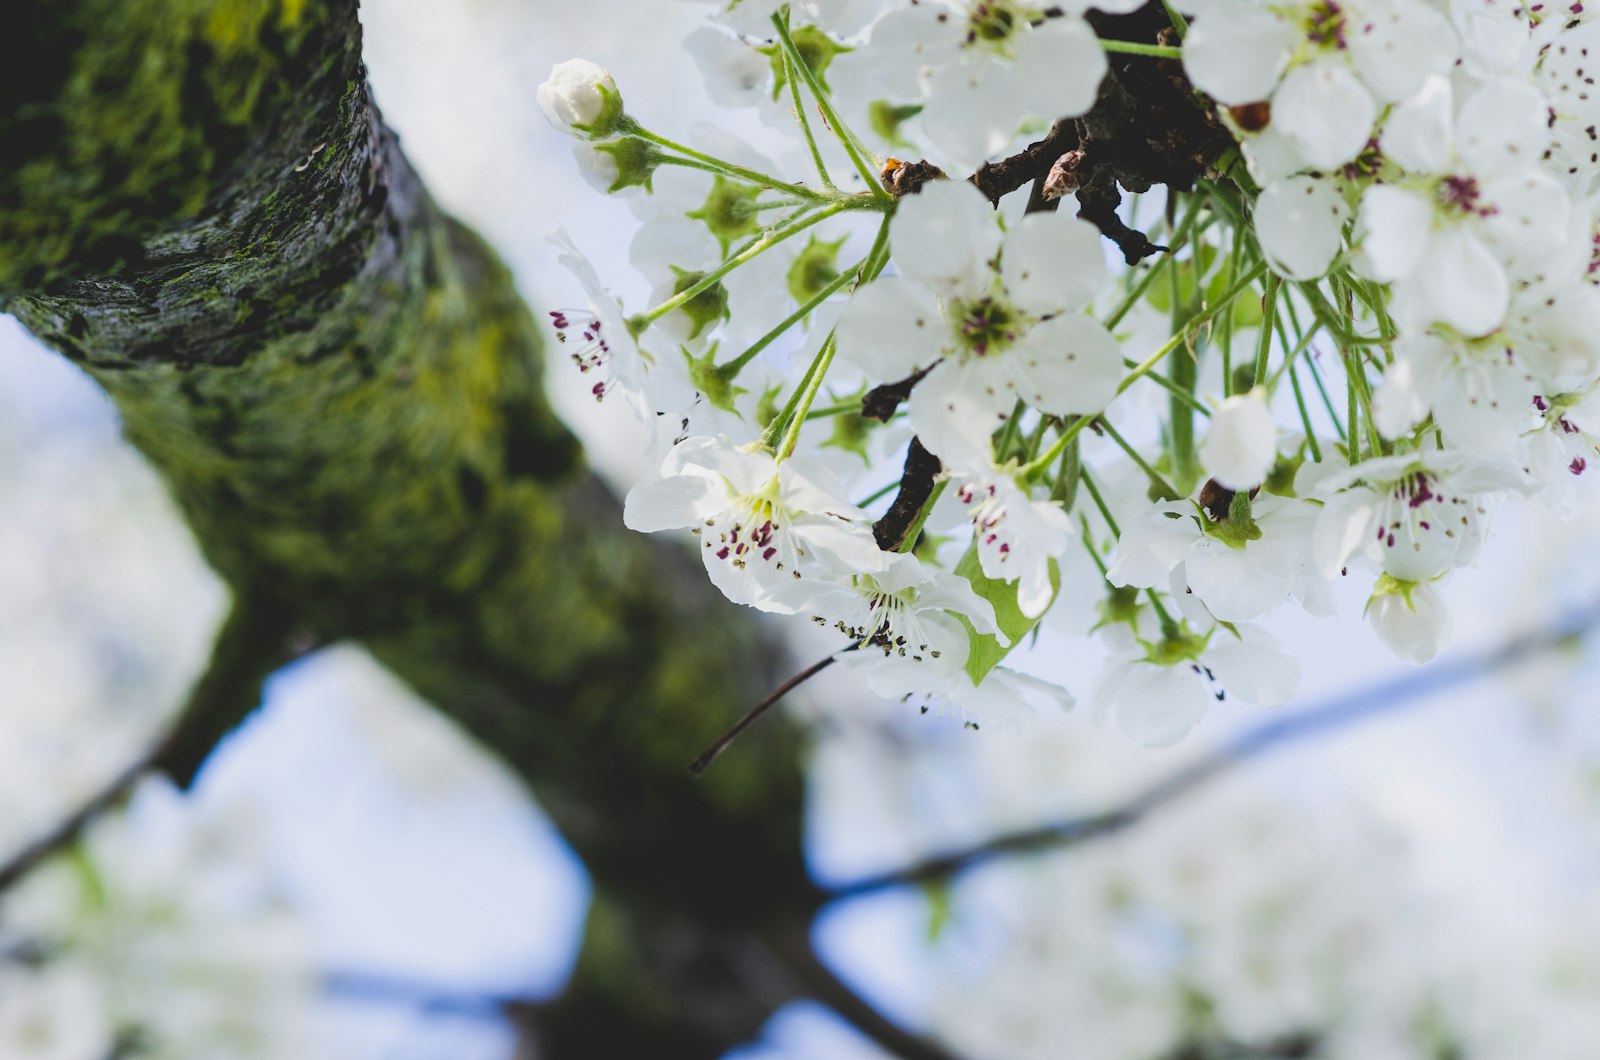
[710, 754]
[1341, 712]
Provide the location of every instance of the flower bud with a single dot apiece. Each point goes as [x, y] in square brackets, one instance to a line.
[581, 100]
[1410, 618]
[1242, 444]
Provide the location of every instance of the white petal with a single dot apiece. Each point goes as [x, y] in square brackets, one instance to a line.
[1463, 282]
[1232, 583]
[1327, 110]
[669, 503]
[1065, 365]
[1254, 669]
[1300, 223]
[1058, 68]
[1416, 630]
[1158, 705]
[1419, 134]
[1235, 52]
[1398, 44]
[892, 328]
[1503, 126]
[1345, 526]
[1241, 443]
[945, 238]
[1394, 228]
[954, 410]
[1053, 262]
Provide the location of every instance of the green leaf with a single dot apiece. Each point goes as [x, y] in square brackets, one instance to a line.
[984, 651]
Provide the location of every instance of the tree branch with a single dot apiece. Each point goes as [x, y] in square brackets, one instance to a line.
[1341, 712]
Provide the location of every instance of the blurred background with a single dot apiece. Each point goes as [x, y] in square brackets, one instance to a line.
[1419, 884]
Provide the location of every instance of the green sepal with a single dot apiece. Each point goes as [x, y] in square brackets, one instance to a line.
[705, 308]
[636, 161]
[984, 651]
[715, 385]
[729, 212]
[886, 119]
[814, 268]
[611, 119]
[817, 50]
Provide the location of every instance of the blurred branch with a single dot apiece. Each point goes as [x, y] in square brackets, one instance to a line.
[1340, 712]
[252, 643]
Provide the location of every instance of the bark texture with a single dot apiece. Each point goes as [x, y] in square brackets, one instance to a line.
[200, 206]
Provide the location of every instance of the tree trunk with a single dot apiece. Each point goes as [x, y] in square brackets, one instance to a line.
[200, 207]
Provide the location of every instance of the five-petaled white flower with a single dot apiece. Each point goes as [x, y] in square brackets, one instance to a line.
[1017, 536]
[902, 618]
[761, 523]
[994, 316]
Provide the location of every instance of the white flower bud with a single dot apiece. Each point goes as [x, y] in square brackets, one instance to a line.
[1242, 444]
[581, 99]
[1410, 618]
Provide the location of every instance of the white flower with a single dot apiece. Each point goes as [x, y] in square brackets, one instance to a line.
[1004, 701]
[1241, 443]
[1300, 224]
[1484, 205]
[1157, 700]
[903, 617]
[604, 345]
[1339, 62]
[1236, 576]
[1564, 448]
[1017, 537]
[1410, 618]
[761, 523]
[580, 99]
[1415, 516]
[981, 66]
[991, 335]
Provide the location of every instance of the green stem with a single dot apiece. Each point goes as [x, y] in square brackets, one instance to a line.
[844, 408]
[1179, 23]
[847, 139]
[751, 250]
[733, 367]
[1128, 47]
[915, 529]
[1185, 374]
[789, 64]
[1269, 313]
[807, 394]
[1305, 416]
[1151, 473]
[749, 176]
[1168, 626]
[879, 494]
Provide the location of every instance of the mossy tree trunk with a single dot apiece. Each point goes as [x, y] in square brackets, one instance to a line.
[201, 208]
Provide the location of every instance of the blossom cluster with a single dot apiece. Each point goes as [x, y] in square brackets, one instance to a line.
[157, 934]
[933, 416]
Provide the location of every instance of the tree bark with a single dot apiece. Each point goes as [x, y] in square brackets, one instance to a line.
[201, 208]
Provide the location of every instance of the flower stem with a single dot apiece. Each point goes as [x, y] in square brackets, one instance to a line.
[793, 77]
[732, 368]
[848, 139]
[1151, 473]
[749, 176]
[1128, 47]
[1269, 313]
[914, 531]
[751, 250]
